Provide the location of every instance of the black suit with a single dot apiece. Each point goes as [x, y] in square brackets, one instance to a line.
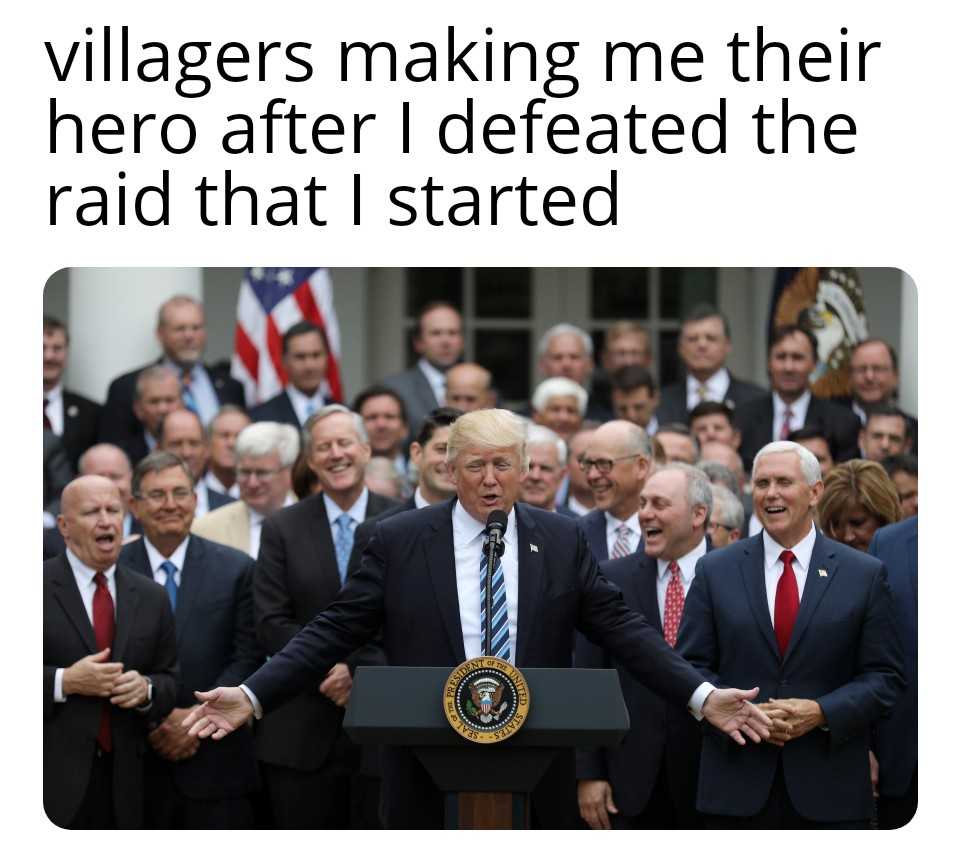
[117, 421]
[755, 420]
[216, 645]
[143, 641]
[81, 423]
[296, 577]
[654, 770]
[673, 405]
[279, 409]
[407, 585]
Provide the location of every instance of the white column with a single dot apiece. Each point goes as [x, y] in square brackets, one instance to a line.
[908, 353]
[113, 317]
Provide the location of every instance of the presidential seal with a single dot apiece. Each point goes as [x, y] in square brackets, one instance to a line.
[486, 699]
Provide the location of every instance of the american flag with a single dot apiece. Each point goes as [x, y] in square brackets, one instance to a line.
[271, 301]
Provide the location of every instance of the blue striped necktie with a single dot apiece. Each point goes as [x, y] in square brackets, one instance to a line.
[500, 634]
[343, 543]
[171, 584]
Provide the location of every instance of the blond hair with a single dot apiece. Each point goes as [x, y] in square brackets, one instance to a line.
[489, 429]
[858, 481]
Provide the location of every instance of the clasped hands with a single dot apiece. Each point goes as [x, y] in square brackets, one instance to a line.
[791, 718]
[170, 738]
[94, 676]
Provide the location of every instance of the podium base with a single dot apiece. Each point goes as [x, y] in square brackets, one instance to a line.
[486, 811]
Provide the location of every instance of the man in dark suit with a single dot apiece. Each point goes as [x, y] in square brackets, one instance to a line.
[74, 418]
[439, 340]
[310, 766]
[650, 779]
[419, 582]
[182, 334]
[182, 433]
[156, 394]
[703, 346]
[811, 622]
[873, 373]
[192, 784]
[304, 358]
[428, 453]
[109, 667]
[790, 404]
[617, 462]
[896, 737]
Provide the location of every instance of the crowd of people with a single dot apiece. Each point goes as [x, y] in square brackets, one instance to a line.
[191, 537]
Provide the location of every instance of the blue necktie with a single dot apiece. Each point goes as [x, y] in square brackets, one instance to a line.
[343, 543]
[500, 634]
[186, 395]
[171, 585]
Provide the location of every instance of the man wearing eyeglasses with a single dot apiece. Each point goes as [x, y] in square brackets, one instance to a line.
[191, 784]
[617, 462]
[265, 454]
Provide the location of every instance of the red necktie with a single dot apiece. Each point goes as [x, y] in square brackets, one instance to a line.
[786, 425]
[786, 603]
[103, 629]
[673, 604]
[46, 420]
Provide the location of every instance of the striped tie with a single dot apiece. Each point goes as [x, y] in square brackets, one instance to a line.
[500, 635]
[621, 546]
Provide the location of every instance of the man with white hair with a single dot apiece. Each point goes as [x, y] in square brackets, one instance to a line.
[812, 623]
[567, 351]
[546, 470]
[650, 780]
[265, 454]
[420, 582]
[559, 404]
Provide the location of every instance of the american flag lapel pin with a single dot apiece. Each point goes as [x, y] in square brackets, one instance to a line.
[533, 548]
[822, 573]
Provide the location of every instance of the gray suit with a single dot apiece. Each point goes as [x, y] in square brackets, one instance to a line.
[413, 387]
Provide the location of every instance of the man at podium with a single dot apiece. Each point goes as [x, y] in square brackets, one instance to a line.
[420, 581]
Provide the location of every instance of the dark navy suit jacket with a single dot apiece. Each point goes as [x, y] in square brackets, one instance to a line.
[659, 731]
[216, 645]
[896, 737]
[844, 653]
[594, 526]
[407, 585]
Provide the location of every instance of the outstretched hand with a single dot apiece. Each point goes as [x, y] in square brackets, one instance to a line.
[221, 711]
[730, 710]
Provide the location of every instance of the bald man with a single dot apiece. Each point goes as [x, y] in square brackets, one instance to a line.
[109, 666]
[469, 387]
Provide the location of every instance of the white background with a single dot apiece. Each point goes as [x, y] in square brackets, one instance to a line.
[891, 204]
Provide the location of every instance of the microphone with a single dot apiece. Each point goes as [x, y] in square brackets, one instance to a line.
[494, 548]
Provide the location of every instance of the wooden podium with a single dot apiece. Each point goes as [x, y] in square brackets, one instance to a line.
[486, 786]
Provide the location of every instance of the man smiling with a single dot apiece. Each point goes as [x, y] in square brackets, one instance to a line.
[419, 581]
[811, 622]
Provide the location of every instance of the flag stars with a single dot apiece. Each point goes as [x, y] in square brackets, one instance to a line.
[285, 277]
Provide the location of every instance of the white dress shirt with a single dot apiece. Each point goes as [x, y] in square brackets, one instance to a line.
[468, 547]
[257, 524]
[435, 378]
[686, 564]
[716, 386]
[773, 567]
[799, 411]
[54, 409]
[633, 538]
[84, 576]
[574, 505]
[303, 404]
[155, 558]
[201, 389]
[357, 512]
[203, 499]
[211, 481]
[419, 500]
